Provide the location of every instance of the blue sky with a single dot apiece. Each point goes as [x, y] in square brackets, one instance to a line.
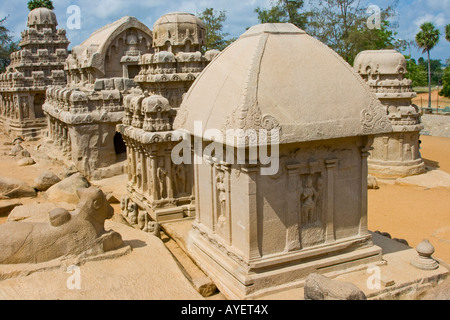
[240, 15]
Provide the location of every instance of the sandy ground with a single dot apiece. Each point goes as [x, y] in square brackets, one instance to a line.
[422, 100]
[416, 213]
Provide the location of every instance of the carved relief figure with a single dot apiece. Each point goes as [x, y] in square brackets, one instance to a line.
[124, 206]
[139, 174]
[309, 198]
[142, 219]
[220, 186]
[130, 167]
[180, 178]
[161, 174]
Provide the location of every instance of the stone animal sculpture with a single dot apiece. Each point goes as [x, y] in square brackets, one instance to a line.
[67, 234]
[154, 228]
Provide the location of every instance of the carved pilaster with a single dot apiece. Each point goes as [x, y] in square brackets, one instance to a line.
[169, 185]
[364, 172]
[293, 228]
[251, 212]
[331, 166]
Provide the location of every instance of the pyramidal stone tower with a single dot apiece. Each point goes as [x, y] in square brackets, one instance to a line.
[155, 184]
[395, 154]
[39, 64]
[258, 230]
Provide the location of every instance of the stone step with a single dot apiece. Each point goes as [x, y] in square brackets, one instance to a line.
[193, 273]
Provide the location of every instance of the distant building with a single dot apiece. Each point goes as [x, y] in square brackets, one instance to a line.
[395, 154]
[82, 116]
[38, 65]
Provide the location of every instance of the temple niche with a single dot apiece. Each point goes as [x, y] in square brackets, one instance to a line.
[82, 116]
[157, 185]
[265, 223]
[38, 64]
[395, 154]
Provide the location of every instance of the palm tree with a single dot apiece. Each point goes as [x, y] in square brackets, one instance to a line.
[33, 4]
[447, 32]
[427, 39]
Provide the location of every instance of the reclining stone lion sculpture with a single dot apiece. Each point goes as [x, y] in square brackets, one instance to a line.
[67, 234]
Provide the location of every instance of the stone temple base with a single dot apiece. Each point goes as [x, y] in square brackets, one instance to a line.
[26, 129]
[271, 274]
[389, 169]
[167, 210]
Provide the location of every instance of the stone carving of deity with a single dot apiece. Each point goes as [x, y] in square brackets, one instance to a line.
[180, 178]
[130, 167]
[220, 185]
[24, 106]
[309, 198]
[161, 174]
[139, 174]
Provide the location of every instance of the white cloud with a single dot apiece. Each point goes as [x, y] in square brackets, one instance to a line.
[438, 20]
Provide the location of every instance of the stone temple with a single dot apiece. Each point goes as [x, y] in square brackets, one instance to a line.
[39, 64]
[256, 233]
[395, 154]
[156, 184]
[83, 115]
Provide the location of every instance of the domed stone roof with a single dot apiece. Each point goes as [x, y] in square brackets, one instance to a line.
[380, 62]
[277, 76]
[177, 28]
[42, 16]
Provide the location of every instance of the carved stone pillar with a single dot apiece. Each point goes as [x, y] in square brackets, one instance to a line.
[331, 166]
[364, 172]
[168, 162]
[250, 212]
[293, 228]
[154, 165]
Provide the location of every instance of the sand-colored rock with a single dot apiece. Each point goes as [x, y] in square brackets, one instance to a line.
[16, 149]
[36, 212]
[431, 179]
[26, 162]
[45, 180]
[7, 206]
[66, 190]
[13, 188]
[319, 287]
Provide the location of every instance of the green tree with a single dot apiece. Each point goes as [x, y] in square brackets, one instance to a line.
[342, 25]
[435, 69]
[7, 46]
[445, 92]
[427, 39]
[447, 32]
[417, 73]
[33, 4]
[215, 37]
[284, 11]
